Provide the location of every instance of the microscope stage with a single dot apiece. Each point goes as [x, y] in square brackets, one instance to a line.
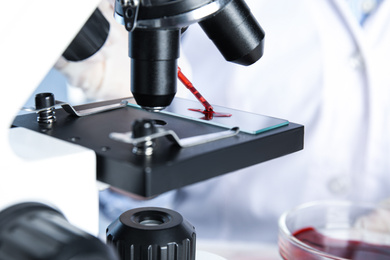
[170, 166]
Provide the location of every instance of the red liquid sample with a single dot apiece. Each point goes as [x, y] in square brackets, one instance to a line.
[187, 83]
[348, 249]
[208, 112]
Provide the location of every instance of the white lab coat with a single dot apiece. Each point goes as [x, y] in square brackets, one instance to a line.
[319, 69]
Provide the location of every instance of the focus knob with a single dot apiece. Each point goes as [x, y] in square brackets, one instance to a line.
[152, 234]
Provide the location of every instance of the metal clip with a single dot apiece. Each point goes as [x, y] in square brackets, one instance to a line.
[130, 13]
[171, 135]
[79, 113]
[90, 111]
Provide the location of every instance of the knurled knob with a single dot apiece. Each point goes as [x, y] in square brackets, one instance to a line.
[152, 234]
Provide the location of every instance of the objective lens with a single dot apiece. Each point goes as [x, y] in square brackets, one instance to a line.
[154, 56]
[236, 33]
[90, 38]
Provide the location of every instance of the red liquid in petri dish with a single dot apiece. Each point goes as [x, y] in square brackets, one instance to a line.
[348, 249]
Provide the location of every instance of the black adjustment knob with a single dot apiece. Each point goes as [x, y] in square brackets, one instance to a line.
[152, 234]
[143, 127]
[44, 100]
[35, 231]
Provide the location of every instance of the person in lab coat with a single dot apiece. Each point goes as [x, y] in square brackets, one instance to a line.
[326, 65]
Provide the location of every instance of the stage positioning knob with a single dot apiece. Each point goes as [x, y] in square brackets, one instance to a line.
[152, 234]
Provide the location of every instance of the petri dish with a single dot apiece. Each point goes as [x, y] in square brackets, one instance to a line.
[338, 230]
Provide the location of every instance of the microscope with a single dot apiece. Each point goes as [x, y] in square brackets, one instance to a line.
[148, 144]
